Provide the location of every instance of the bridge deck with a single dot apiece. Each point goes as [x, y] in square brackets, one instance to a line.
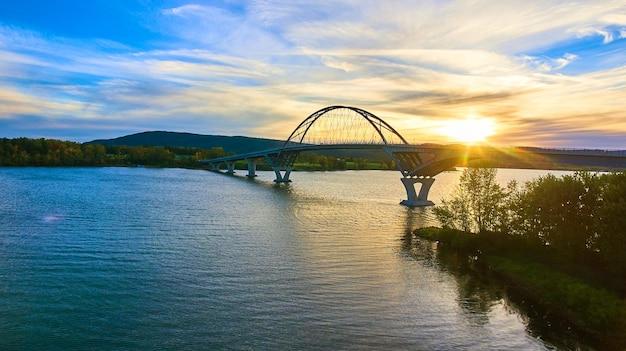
[298, 148]
[520, 156]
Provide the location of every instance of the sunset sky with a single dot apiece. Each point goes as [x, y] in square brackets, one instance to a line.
[546, 73]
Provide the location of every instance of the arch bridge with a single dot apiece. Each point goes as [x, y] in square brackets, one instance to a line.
[351, 128]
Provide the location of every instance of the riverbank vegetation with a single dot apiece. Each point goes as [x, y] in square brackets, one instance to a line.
[49, 152]
[559, 241]
[57, 153]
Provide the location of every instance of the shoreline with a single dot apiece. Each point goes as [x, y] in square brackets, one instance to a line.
[595, 312]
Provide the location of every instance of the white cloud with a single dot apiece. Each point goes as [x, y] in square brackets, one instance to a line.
[605, 34]
[502, 25]
[262, 70]
[223, 30]
[546, 64]
[190, 9]
[13, 101]
[615, 18]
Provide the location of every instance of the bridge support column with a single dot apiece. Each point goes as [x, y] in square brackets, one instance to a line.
[230, 167]
[415, 199]
[282, 177]
[251, 168]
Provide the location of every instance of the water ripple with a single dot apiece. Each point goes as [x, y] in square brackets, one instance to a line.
[135, 259]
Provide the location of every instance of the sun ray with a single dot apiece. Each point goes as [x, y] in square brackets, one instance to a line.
[470, 130]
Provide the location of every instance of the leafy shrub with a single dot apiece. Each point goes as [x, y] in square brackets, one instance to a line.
[478, 203]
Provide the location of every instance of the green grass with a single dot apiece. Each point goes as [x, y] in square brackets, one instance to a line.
[588, 307]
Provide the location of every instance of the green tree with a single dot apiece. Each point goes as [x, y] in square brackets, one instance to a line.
[611, 241]
[478, 203]
[560, 211]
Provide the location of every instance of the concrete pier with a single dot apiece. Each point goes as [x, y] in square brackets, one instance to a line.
[230, 167]
[415, 199]
[251, 168]
[282, 177]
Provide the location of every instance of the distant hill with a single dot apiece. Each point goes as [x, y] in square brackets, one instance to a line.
[231, 144]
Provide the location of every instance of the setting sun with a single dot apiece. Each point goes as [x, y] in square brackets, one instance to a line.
[469, 130]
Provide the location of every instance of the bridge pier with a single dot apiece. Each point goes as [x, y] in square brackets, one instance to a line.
[251, 168]
[415, 199]
[230, 167]
[282, 177]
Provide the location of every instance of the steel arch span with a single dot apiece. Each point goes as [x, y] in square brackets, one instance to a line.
[344, 125]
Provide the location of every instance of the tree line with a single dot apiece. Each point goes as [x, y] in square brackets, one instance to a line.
[577, 221]
[50, 152]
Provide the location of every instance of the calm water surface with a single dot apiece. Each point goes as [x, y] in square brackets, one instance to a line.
[132, 258]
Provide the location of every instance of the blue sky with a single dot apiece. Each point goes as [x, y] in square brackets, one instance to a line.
[545, 72]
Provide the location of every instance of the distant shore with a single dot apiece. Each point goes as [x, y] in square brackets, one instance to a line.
[25, 152]
[299, 168]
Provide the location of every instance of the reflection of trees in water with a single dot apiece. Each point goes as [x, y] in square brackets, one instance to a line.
[476, 296]
[479, 292]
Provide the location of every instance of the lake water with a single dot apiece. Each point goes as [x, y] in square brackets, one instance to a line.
[146, 259]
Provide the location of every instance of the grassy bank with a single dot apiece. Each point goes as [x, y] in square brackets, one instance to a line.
[593, 309]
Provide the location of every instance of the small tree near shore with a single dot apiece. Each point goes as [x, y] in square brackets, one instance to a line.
[478, 203]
